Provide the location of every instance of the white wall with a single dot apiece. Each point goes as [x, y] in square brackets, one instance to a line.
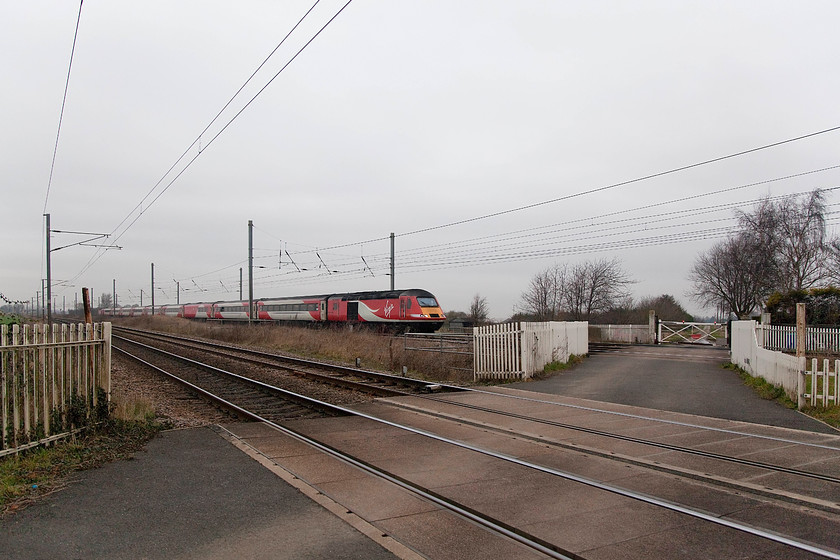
[774, 367]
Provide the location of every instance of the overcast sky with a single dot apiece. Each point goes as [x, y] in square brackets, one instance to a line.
[401, 117]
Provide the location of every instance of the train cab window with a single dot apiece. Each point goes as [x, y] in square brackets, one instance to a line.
[408, 305]
[427, 302]
[335, 306]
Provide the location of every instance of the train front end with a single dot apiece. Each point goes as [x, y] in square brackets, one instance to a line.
[422, 311]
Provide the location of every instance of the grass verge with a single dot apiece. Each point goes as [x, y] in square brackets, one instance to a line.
[830, 415]
[765, 390]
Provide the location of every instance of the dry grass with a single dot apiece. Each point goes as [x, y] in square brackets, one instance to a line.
[132, 409]
[335, 345]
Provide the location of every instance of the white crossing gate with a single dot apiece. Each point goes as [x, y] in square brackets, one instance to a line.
[690, 333]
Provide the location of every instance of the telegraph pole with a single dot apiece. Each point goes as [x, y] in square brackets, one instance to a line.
[49, 275]
[250, 269]
[153, 288]
[47, 298]
[240, 283]
[114, 300]
[178, 292]
[392, 260]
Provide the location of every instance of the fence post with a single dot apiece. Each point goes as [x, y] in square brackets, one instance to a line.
[801, 333]
[106, 355]
[652, 326]
[4, 419]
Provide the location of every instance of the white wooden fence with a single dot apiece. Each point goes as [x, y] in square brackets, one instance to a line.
[629, 334]
[812, 385]
[46, 372]
[819, 386]
[783, 338]
[518, 350]
[776, 368]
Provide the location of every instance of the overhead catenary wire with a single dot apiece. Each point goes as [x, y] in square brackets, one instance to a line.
[215, 118]
[574, 225]
[63, 104]
[567, 224]
[628, 182]
[512, 251]
[142, 211]
[487, 215]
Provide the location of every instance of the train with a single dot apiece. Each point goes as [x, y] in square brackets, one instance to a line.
[413, 310]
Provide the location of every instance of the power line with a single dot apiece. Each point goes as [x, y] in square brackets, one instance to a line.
[510, 248]
[665, 203]
[653, 205]
[235, 116]
[624, 183]
[571, 225]
[63, 102]
[206, 128]
[97, 256]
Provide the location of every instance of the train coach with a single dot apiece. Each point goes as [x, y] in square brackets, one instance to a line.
[401, 310]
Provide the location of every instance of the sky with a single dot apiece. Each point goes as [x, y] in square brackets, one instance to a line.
[493, 138]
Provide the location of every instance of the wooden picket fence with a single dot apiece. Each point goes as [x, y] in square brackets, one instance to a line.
[820, 385]
[519, 350]
[783, 338]
[49, 376]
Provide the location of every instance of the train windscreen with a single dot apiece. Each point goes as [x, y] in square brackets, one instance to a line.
[427, 302]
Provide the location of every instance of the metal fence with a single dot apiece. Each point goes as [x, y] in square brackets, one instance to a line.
[50, 378]
[441, 343]
[783, 338]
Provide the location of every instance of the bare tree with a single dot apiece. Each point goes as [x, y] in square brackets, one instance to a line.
[802, 242]
[781, 246]
[580, 291]
[832, 261]
[479, 310]
[105, 301]
[790, 236]
[594, 287]
[731, 276]
[542, 298]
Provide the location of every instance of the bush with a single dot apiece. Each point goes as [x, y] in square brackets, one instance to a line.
[822, 306]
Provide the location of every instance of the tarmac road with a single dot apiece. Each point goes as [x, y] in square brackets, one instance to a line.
[687, 379]
[189, 495]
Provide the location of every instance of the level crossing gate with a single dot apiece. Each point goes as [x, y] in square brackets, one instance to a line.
[689, 332]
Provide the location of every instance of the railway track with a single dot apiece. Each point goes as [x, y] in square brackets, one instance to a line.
[258, 401]
[807, 487]
[238, 395]
[600, 445]
[354, 379]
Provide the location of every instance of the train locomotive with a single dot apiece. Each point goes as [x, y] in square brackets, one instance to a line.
[412, 310]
